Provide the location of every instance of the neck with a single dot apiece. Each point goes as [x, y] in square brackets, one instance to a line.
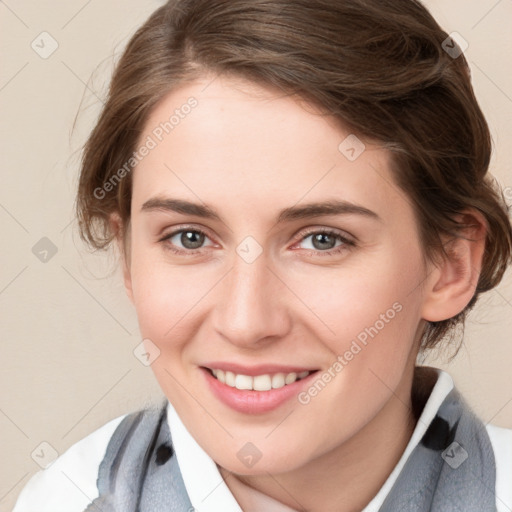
[362, 464]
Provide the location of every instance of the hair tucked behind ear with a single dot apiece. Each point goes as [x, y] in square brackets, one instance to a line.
[377, 65]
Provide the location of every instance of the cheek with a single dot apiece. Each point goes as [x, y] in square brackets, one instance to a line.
[167, 302]
[162, 293]
[375, 297]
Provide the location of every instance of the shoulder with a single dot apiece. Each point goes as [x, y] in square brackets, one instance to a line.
[501, 440]
[69, 483]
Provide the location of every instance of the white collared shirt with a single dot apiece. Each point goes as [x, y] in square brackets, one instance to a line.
[69, 483]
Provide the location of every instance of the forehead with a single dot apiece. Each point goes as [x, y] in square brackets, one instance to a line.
[233, 107]
[246, 144]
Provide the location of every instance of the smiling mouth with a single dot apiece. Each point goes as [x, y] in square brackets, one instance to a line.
[264, 382]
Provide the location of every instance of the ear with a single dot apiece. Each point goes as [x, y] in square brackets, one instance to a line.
[123, 244]
[453, 280]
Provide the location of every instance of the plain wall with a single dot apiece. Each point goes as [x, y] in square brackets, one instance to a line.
[68, 329]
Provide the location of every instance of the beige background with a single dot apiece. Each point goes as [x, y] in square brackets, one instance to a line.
[68, 330]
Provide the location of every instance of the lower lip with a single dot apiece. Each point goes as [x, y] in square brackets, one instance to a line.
[254, 402]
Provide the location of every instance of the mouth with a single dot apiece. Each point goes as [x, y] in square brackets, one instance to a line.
[262, 382]
[256, 390]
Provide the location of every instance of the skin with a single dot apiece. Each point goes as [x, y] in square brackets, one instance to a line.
[249, 152]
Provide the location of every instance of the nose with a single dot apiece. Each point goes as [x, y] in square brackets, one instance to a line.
[251, 306]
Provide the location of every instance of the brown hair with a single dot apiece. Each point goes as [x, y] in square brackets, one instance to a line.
[379, 66]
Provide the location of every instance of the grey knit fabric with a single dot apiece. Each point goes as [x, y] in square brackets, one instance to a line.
[139, 471]
[452, 469]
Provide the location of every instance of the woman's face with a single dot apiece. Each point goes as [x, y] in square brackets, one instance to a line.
[229, 270]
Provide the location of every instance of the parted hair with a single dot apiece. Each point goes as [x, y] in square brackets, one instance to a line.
[379, 66]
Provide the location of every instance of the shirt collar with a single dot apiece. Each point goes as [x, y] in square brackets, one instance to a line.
[442, 387]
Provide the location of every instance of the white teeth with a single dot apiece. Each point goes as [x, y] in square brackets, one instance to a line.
[278, 380]
[259, 382]
[243, 382]
[262, 383]
[291, 377]
[230, 379]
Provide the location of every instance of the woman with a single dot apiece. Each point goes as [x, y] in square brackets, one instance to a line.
[299, 194]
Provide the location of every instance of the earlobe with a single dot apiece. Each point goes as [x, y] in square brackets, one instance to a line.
[123, 244]
[452, 283]
[127, 278]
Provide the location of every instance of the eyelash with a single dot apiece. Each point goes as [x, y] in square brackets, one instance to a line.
[346, 243]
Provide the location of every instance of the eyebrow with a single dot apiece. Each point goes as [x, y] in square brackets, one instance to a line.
[317, 209]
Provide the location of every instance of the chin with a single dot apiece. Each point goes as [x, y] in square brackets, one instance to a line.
[251, 459]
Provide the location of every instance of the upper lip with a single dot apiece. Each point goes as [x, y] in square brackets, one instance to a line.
[259, 369]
